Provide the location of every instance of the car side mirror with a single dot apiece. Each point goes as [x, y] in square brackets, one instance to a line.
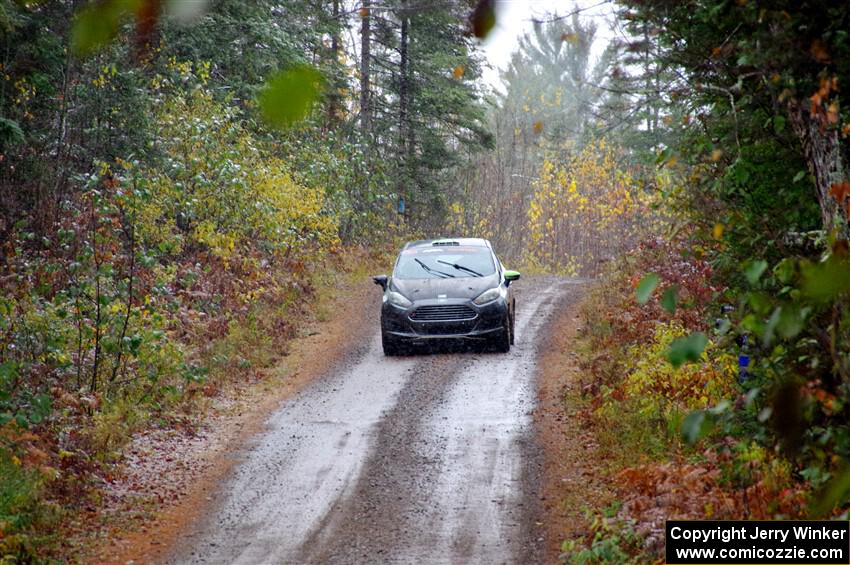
[381, 280]
[511, 276]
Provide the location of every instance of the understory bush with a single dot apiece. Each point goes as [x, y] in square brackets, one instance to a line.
[695, 439]
[166, 280]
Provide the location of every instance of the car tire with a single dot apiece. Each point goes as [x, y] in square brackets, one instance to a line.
[502, 341]
[392, 347]
[513, 335]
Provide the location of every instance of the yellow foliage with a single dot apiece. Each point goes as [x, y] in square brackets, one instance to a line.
[220, 187]
[718, 230]
[586, 209]
[692, 386]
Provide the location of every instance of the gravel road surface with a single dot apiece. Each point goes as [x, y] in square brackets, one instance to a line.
[427, 458]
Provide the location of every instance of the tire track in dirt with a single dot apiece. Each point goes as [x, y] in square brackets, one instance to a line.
[415, 459]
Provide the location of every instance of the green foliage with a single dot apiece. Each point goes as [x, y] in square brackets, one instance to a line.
[362, 201]
[98, 23]
[686, 349]
[754, 271]
[227, 32]
[668, 299]
[23, 406]
[10, 133]
[220, 186]
[289, 95]
[695, 426]
[646, 287]
[611, 543]
[825, 281]
[643, 411]
[21, 511]
[771, 231]
[159, 239]
[19, 489]
[444, 122]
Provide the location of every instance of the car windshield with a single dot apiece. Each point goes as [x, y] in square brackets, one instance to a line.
[456, 261]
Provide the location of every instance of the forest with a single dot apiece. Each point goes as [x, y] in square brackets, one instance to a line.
[182, 182]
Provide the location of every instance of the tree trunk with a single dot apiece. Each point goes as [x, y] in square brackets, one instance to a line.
[822, 150]
[365, 57]
[365, 100]
[410, 143]
[334, 100]
[403, 109]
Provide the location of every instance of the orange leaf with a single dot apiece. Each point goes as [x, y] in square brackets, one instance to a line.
[840, 191]
[819, 51]
[458, 72]
[832, 113]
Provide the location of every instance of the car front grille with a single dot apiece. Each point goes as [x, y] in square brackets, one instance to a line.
[442, 313]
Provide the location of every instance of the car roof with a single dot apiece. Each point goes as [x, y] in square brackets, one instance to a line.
[449, 241]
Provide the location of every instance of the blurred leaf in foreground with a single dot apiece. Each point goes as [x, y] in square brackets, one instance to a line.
[834, 493]
[483, 18]
[98, 23]
[696, 425]
[686, 349]
[754, 271]
[669, 298]
[645, 287]
[186, 10]
[824, 281]
[288, 96]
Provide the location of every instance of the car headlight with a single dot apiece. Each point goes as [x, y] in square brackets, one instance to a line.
[488, 296]
[397, 299]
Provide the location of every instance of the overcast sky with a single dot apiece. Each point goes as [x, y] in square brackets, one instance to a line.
[514, 18]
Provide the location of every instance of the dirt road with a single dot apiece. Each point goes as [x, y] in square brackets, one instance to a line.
[421, 459]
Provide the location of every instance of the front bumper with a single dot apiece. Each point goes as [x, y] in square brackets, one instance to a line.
[407, 323]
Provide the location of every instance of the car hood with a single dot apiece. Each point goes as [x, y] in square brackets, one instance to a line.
[424, 289]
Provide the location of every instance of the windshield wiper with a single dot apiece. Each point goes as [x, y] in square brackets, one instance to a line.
[435, 271]
[460, 268]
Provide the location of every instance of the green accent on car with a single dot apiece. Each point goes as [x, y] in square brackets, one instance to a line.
[512, 275]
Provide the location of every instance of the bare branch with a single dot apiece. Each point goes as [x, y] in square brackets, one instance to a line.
[569, 14]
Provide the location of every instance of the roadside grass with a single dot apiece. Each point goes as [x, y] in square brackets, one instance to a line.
[358, 264]
[25, 519]
[221, 361]
[112, 428]
[611, 543]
